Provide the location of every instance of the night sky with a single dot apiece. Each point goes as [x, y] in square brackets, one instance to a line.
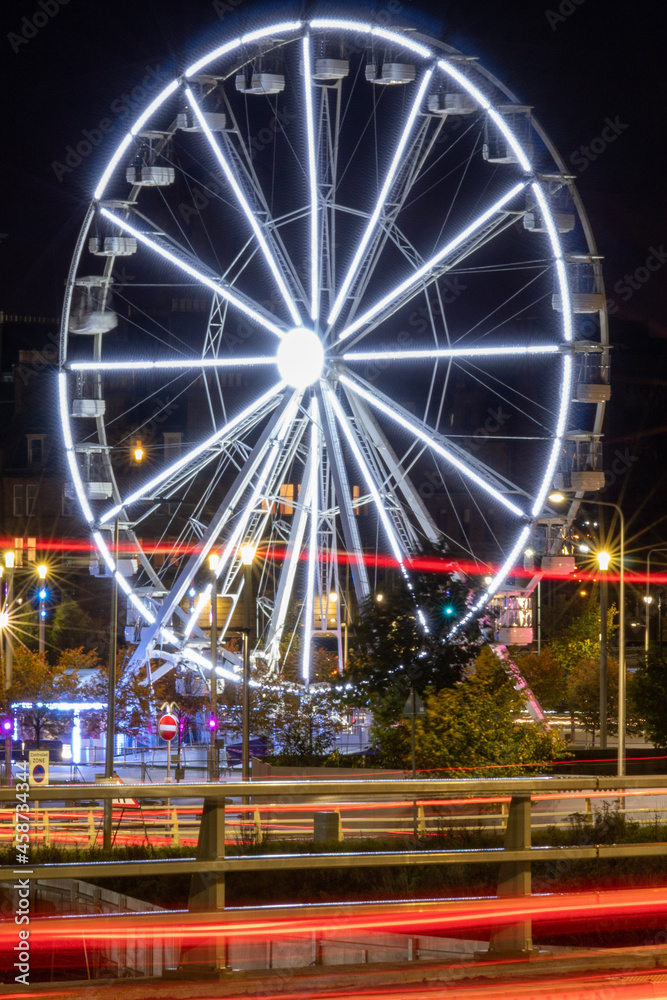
[590, 68]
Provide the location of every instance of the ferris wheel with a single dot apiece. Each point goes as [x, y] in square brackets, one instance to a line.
[337, 288]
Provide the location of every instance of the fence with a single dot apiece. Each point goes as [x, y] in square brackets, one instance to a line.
[512, 800]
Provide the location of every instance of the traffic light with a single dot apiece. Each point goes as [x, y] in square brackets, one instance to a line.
[212, 723]
[6, 725]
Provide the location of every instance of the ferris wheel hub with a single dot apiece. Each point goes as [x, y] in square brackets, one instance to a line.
[300, 357]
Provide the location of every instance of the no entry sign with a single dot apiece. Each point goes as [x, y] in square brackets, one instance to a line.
[167, 727]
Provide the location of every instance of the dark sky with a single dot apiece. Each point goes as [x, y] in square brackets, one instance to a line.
[582, 65]
[604, 60]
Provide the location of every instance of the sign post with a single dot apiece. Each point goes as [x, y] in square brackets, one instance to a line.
[167, 728]
[38, 767]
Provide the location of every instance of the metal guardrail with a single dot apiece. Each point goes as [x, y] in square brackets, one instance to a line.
[326, 795]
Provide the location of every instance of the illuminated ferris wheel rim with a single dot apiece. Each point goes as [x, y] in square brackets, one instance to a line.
[301, 329]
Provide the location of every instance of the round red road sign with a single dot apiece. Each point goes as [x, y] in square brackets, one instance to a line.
[167, 727]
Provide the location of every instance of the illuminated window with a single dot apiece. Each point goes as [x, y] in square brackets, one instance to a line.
[287, 499]
[360, 511]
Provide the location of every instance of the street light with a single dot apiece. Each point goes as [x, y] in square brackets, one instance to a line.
[213, 561]
[42, 570]
[559, 498]
[247, 556]
[648, 599]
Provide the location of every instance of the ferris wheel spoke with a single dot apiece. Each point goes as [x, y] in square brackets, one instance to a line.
[429, 271]
[216, 525]
[365, 471]
[246, 209]
[312, 181]
[312, 503]
[235, 538]
[265, 403]
[174, 255]
[470, 468]
[178, 363]
[391, 175]
[530, 351]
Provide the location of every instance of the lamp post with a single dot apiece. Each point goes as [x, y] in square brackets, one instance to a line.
[111, 696]
[213, 560]
[4, 621]
[247, 556]
[648, 600]
[42, 570]
[559, 498]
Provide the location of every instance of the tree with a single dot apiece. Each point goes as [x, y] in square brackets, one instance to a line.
[36, 680]
[647, 697]
[393, 651]
[546, 677]
[583, 693]
[134, 709]
[72, 627]
[471, 726]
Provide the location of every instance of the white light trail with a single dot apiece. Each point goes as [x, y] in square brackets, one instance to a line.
[429, 265]
[111, 166]
[194, 273]
[312, 181]
[465, 83]
[366, 473]
[455, 352]
[558, 254]
[252, 36]
[120, 366]
[382, 198]
[186, 459]
[104, 549]
[511, 138]
[153, 106]
[234, 539]
[245, 207]
[196, 657]
[312, 547]
[392, 36]
[427, 439]
[69, 449]
[367, 29]
[565, 394]
[496, 582]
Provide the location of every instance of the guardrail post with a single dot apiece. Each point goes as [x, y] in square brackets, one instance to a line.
[210, 959]
[515, 880]
[46, 830]
[421, 821]
[175, 833]
[92, 832]
[257, 823]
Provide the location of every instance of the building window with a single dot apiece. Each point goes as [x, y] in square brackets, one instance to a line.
[287, 498]
[30, 497]
[35, 448]
[18, 501]
[173, 442]
[359, 510]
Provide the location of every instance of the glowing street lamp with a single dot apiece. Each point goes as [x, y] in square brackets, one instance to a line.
[42, 570]
[138, 452]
